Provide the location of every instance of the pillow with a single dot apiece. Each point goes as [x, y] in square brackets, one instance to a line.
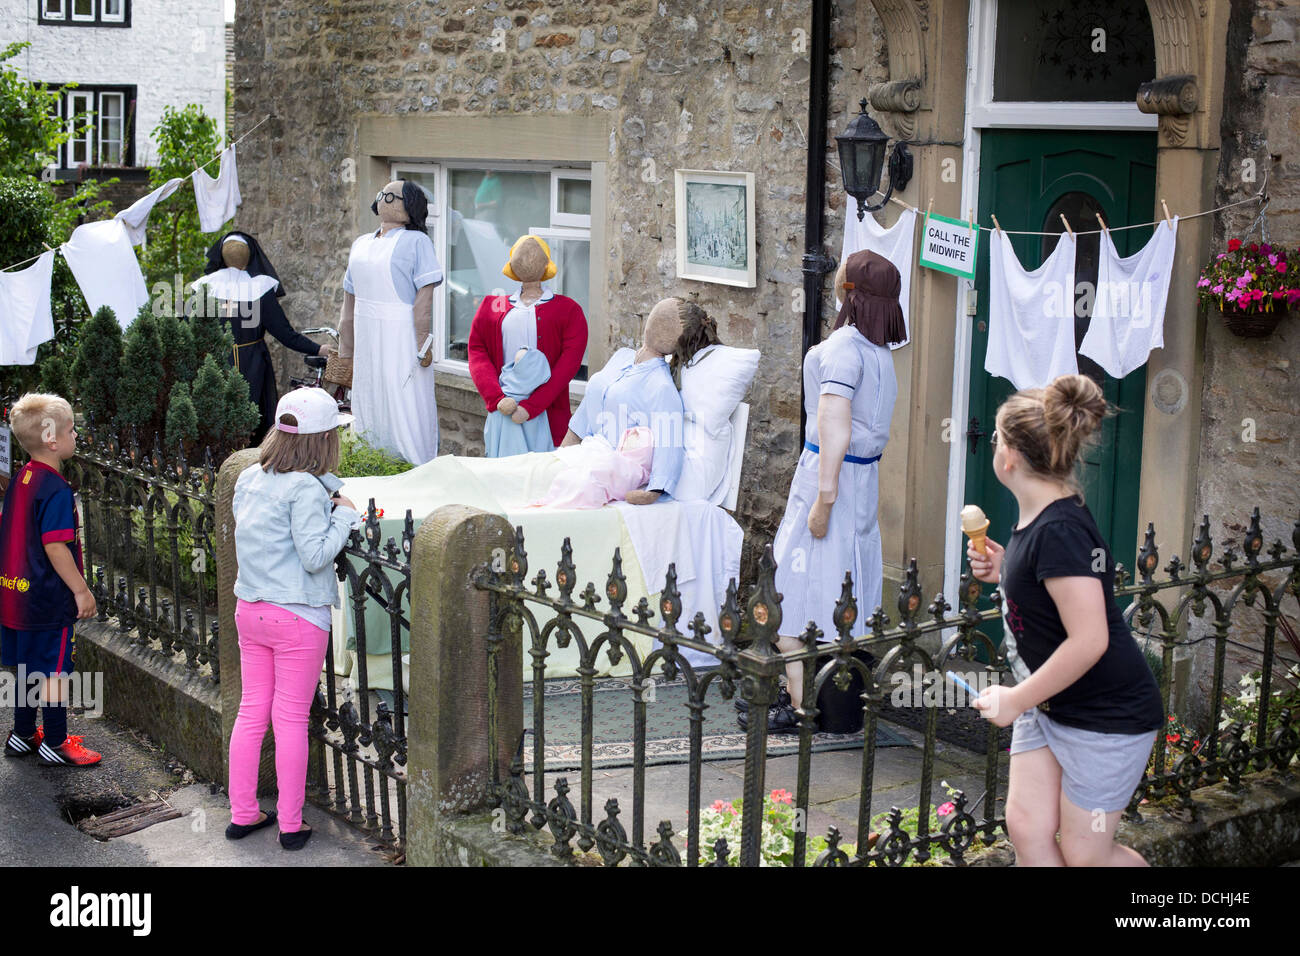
[714, 383]
[705, 463]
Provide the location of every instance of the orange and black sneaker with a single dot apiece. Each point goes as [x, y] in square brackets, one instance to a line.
[70, 753]
[17, 746]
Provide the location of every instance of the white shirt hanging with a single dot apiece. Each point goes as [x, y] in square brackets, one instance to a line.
[895, 243]
[25, 319]
[1128, 314]
[136, 216]
[1031, 314]
[217, 198]
[103, 261]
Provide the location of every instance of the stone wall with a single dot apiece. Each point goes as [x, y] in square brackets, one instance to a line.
[1250, 446]
[723, 87]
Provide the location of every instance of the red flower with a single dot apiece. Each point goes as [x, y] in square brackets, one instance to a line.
[1281, 267]
[1234, 245]
[1173, 738]
[945, 809]
[782, 796]
[1254, 248]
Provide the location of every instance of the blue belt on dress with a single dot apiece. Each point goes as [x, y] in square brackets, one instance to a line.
[851, 459]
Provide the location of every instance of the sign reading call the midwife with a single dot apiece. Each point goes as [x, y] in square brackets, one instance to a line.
[949, 245]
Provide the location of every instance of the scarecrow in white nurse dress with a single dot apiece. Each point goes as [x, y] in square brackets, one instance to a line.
[830, 523]
[387, 316]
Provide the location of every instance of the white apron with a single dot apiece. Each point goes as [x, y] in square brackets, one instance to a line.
[392, 412]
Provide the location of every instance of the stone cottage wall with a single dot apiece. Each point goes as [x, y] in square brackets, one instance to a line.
[1250, 442]
[722, 86]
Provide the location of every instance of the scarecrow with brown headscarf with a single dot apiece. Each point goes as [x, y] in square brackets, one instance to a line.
[830, 522]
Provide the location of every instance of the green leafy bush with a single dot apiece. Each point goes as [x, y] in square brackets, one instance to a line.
[359, 459]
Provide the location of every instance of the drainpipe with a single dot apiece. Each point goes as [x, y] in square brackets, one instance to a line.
[816, 263]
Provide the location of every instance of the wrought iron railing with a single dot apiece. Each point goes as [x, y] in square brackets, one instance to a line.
[926, 634]
[358, 765]
[147, 546]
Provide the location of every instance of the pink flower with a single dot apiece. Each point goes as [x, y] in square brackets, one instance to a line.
[1281, 267]
[1272, 260]
[1243, 281]
[945, 809]
[721, 806]
[782, 796]
[1218, 289]
[1202, 282]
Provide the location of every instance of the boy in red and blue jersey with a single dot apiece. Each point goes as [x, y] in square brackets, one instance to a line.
[42, 585]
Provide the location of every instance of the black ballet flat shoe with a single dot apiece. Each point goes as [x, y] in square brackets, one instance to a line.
[296, 840]
[782, 699]
[237, 831]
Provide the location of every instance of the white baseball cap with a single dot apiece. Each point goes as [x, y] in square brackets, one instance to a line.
[315, 410]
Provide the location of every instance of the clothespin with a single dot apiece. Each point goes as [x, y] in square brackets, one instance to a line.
[996, 224]
[1103, 224]
[1066, 224]
[929, 208]
[48, 246]
[1166, 209]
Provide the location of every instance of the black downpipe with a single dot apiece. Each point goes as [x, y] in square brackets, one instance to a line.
[815, 261]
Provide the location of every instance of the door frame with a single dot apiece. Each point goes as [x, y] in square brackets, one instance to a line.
[982, 113]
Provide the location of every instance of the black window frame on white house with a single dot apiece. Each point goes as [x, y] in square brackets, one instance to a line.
[72, 101]
[64, 13]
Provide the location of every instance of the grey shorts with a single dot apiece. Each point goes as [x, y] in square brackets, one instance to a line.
[1098, 771]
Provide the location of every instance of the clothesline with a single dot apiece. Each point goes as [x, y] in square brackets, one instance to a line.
[1258, 197]
[197, 167]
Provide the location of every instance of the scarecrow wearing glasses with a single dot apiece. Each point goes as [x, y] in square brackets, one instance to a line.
[387, 319]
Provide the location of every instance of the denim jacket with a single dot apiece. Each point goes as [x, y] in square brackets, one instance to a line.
[287, 536]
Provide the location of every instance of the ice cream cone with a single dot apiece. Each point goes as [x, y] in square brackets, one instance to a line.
[977, 537]
[975, 526]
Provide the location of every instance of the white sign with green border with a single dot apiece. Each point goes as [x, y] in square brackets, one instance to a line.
[949, 245]
[6, 463]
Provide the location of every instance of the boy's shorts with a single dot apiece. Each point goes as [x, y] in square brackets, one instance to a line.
[41, 652]
[1098, 771]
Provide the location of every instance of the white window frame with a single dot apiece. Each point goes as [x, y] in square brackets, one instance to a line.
[438, 225]
[107, 17]
[987, 114]
[86, 97]
[63, 9]
[99, 124]
[72, 12]
[568, 219]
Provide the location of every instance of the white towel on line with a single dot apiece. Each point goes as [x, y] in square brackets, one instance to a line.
[103, 261]
[217, 198]
[136, 216]
[1128, 313]
[25, 319]
[1031, 314]
[895, 243]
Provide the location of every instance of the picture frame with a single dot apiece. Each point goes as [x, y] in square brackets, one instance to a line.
[716, 227]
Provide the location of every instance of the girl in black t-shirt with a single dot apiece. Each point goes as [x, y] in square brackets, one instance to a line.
[1085, 706]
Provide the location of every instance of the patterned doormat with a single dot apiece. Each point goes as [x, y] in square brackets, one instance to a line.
[667, 727]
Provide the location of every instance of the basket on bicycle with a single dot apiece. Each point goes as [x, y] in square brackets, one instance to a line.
[338, 371]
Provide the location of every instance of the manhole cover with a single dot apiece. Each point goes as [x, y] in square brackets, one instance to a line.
[128, 820]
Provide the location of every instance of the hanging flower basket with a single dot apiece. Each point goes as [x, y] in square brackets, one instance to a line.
[1252, 286]
[1255, 324]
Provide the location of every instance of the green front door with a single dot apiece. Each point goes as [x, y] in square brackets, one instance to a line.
[1028, 178]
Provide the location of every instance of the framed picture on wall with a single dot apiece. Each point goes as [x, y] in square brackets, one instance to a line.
[715, 227]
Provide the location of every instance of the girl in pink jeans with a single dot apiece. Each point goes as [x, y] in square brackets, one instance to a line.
[290, 524]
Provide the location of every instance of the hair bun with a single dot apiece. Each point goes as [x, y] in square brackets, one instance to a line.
[1074, 404]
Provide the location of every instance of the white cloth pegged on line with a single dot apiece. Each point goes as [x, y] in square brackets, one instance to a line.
[217, 198]
[897, 244]
[1128, 314]
[25, 319]
[103, 261]
[136, 216]
[1031, 314]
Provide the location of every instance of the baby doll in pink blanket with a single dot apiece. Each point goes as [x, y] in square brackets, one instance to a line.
[603, 474]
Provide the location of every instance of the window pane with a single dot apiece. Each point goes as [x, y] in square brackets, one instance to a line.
[1072, 50]
[110, 128]
[80, 145]
[487, 211]
[572, 259]
[53, 9]
[575, 197]
[83, 9]
[112, 9]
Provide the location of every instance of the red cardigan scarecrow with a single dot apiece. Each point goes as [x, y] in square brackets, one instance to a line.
[561, 337]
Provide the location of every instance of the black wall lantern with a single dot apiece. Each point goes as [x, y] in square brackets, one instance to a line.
[862, 160]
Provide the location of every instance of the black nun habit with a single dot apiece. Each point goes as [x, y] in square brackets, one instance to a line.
[249, 319]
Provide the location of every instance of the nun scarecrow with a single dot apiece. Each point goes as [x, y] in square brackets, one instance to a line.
[830, 525]
[244, 283]
[385, 336]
